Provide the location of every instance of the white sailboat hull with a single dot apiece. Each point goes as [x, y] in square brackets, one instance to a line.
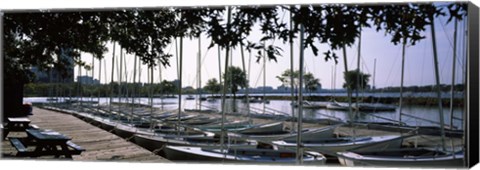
[336, 106]
[270, 128]
[126, 131]
[242, 155]
[444, 161]
[313, 134]
[152, 143]
[330, 146]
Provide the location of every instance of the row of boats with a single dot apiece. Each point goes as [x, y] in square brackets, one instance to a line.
[333, 105]
[199, 137]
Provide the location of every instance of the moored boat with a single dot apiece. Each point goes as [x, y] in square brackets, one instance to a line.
[157, 143]
[330, 146]
[268, 128]
[310, 133]
[336, 106]
[406, 157]
[242, 155]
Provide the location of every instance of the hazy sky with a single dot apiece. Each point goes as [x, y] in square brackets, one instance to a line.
[419, 68]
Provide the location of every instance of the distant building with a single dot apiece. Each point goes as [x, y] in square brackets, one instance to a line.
[283, 89]
[87, 80]
[266, 88]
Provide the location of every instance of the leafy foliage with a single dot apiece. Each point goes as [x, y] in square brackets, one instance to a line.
[167, 87]
[310, 82]
[35, 37]
[351, 80]
[235, 78]
[213, 86]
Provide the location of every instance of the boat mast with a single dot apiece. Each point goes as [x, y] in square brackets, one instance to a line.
[50, 93]
[140, 75]
[299, 152]
[264, 77]
[437, 80]
[374, 70]
[134, 85]
[180, 84]
[331, 78]
[151, 95]
[357, 84]
[400, 105]
[246, 91]
[120, 76]
[125, 84]
[222, 126]
[160, 81]
[334, 78]
[79, 85]
[349, 91]
[452, 88]
[292, 84]
[219, 65]
[99, 82]
[93, 71]
[111, 81]
[199, 86]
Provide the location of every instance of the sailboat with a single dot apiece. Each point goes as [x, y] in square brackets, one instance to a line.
[243, 155]
[310, 133]
[190, 97]
[337, 106]
[332, 145]
[412, 157]
[401, 157]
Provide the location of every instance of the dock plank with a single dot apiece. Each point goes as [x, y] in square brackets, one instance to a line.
[99, 144]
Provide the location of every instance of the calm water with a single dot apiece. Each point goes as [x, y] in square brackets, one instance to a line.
[284, 107]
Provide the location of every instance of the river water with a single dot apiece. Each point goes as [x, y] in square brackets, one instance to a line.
[428, 115]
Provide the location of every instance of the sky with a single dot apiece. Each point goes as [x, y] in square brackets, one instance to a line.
[375, 45]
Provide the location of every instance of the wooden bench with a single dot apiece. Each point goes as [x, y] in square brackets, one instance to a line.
[2, 134]
[15, 124]
[18, 145]
[76, 148]
[45, 143]
[34, 126]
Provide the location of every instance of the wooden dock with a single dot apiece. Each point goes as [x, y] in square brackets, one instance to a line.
[100, 145]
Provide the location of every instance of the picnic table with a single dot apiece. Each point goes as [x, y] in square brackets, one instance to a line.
[17, 124]
[45, 143]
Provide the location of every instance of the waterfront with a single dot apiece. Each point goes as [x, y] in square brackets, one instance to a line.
[283, 107]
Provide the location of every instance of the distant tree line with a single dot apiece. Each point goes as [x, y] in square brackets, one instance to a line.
[165, 88]
[428, 88]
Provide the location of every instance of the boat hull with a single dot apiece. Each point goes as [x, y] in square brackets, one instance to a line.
[157, 143]
[127, 132]
[353, 159]
[271, 128]
[331, 147]
[239, 155]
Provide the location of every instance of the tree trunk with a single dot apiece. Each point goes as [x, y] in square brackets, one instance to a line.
[13, 98]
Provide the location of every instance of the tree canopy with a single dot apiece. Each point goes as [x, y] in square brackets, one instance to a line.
[310, 82]
[351, 80]
[34, 38]
[235, 78]
[213, 86]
